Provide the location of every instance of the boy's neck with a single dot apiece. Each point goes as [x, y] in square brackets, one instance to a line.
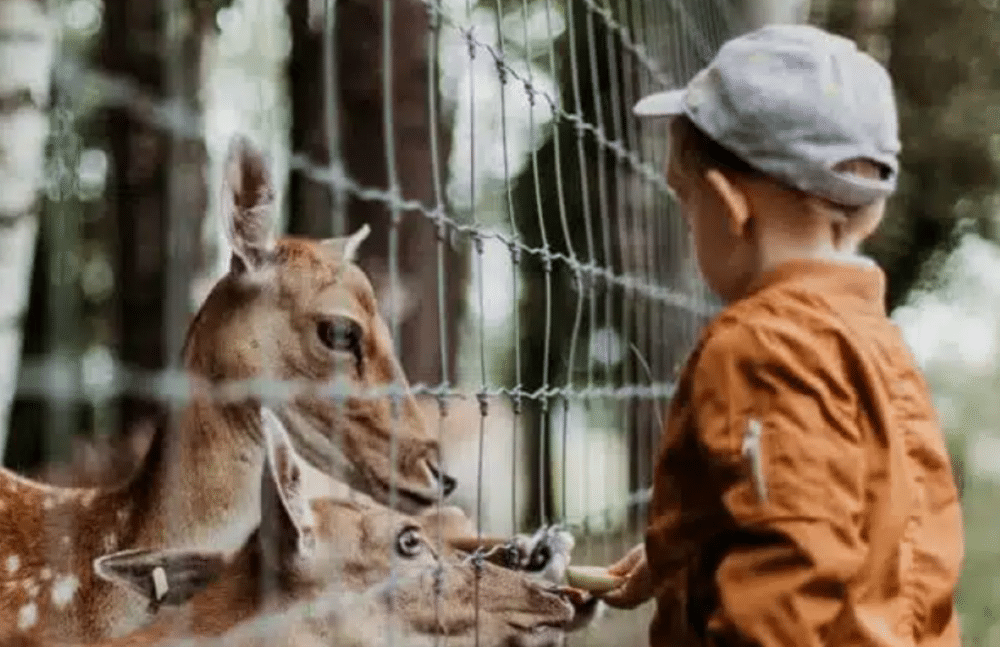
[780, 240]
[771, 258]
[776, 257]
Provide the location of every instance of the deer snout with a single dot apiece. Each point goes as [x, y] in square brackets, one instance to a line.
[526, 604]
[448, 482]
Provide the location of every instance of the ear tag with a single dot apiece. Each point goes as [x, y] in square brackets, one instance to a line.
[160, 585]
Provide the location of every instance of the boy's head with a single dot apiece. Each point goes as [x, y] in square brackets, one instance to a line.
[784, 146]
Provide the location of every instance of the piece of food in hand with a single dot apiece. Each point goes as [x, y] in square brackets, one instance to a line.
[594, 579]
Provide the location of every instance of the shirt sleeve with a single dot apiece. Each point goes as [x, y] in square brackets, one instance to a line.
[778, 424]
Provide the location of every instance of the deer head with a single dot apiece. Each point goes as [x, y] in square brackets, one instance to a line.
[301, 310]
[303, 548]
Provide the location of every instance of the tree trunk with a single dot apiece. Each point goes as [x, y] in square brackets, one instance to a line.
[156, 192]
[26, 53]
[361, 138]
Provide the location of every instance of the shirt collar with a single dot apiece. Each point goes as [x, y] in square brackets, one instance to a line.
[857, 280]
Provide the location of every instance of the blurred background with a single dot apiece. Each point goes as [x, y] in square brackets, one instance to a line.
[545, 287]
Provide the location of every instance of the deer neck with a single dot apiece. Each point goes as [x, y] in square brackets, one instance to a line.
[199, 487]
[200, 483]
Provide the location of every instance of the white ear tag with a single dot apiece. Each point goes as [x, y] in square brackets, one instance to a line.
[160, 586]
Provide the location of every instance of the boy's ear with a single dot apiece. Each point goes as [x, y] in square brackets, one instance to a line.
[164, 577]
[287, 522]
[248, 209]
[734, 200]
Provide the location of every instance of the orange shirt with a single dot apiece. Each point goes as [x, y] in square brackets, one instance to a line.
[803, 494]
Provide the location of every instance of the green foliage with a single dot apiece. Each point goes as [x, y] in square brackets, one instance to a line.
[979, 591]
[969, 410]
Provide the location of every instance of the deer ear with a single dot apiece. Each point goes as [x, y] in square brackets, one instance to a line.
[287, 521]
[164, 577]
[348, 246]
[248, 209]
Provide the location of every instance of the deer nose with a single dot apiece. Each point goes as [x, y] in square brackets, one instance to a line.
[448, 482]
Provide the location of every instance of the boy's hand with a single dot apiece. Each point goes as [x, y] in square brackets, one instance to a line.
[638, 585]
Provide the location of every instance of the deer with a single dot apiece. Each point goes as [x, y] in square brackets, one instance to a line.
[288, 308]
[317, 569]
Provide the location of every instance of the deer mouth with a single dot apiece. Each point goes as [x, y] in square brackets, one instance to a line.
[408, 501]
[415, 501]
[540, 627]
[557, 615]
[447, 482]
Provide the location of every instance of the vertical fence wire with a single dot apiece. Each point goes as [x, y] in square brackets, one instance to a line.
[477, 242]
[331, 114]
[570, 366]
[394, 323]
[61, 231]
[514, 248]
[544, 466]
[610, 233]
[176, 276]
[623, 216]
[330, 84]
[442, 238]
[590, 293]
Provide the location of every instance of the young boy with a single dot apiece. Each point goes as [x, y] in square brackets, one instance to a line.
[803, 494]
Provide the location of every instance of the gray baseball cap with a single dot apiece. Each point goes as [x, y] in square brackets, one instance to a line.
[793, 101]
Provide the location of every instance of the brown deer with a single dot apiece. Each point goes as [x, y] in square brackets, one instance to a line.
[289, 309]
[319, 569]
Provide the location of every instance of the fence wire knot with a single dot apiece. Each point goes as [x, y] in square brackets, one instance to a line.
[529, 89]
[478, 558]
[443, 402]
[470, 41]
[433, 15]
[501, 72]
[439, 580]
[515, 252]
[484, 404]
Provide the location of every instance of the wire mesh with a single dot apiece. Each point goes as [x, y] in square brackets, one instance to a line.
[582, 299]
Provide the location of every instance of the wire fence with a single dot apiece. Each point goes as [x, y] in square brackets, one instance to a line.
[581, 300]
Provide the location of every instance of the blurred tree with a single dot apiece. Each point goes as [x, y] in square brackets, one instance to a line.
[944, 57]
[358, 130]
[25, 36]
[157, 180]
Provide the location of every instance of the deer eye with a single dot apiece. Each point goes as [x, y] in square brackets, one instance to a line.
[408, 543]
[340, 334]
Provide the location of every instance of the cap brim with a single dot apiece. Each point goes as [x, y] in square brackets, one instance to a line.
[661, 104]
